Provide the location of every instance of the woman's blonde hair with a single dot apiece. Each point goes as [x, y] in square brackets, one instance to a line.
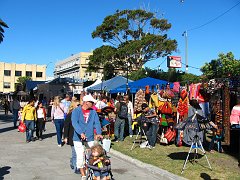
[73, 105]
[56, 101]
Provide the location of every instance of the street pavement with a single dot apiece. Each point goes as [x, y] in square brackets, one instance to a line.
[45, 160]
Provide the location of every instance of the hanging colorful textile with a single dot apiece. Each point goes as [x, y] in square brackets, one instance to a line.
[183, 103]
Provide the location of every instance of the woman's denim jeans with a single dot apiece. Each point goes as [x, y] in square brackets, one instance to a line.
[15, 117]
[152, 134]
[119, 129]
[59, 128]
[29, 129]
[130, 124]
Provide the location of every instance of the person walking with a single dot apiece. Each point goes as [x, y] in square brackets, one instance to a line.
[29, 117]
[41, 118]
[57, 116]
[15, 108]
[130, 114]
[68, 134]
[66, 102]
[6, 106]
[121, 110]
[84, 121]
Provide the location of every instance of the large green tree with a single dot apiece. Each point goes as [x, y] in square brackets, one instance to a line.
[224, 66]
[2, 25]
[22, 82]
[133, 38]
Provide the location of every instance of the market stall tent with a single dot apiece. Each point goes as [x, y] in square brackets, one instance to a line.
[140, 84]
[110, 84]
[98, 81]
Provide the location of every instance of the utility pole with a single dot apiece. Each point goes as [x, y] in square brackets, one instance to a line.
[186, 50]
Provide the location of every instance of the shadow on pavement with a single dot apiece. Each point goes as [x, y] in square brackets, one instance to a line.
[6, 118]
[7, 129]
[45, 136]
[3, 171]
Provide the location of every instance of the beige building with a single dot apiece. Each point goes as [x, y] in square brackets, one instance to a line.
[75, 67]
[10, 72]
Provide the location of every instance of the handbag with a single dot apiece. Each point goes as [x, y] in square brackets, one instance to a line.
[22, 127]
[106, 144]
[163, 140]
[170, 134]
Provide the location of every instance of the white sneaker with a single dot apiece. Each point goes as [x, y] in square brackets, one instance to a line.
[84, 178]
[59, 145]
[149, 147]
[131, 136]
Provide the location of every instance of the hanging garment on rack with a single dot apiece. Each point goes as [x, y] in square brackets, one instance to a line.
[235, 114]
[154, 102]
[183, 103]
[176, 87]
[139, 100]
[193, 91]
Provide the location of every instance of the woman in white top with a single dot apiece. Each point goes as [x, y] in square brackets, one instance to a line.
[130, 114]
[57, 116]
[41, 118]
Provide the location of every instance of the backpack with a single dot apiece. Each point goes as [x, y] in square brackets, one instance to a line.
[123, 112]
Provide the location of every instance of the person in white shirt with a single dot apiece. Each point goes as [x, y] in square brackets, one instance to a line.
[102, 103]
[130, 114]
[41, 118]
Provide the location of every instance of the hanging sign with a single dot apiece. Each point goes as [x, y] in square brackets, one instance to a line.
[174, 62]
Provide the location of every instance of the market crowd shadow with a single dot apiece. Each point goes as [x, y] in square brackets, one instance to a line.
[3, 171]
[183, 156]
[205, 176]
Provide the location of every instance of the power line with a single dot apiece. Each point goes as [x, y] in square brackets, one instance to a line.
[214, 19]
[191, 66]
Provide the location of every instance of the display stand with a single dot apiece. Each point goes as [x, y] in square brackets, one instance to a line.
[140, 132]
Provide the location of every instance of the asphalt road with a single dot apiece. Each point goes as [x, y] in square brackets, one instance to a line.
[45, 160]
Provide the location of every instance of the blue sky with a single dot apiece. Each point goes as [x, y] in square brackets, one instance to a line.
[45, 31]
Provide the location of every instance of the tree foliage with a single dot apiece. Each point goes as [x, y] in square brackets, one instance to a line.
[224, 66]
[2, 25]
[22, 81]
[171, 75]
[134, 37]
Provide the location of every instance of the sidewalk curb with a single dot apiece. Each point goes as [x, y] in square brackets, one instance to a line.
[160, 172]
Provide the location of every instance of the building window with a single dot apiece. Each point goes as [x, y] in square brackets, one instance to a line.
[18, 73]
[38, 74]
[6, 85]
[29, 73]
[7, 72]
[90, 74]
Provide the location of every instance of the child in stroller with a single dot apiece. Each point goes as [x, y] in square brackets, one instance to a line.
[98, 163]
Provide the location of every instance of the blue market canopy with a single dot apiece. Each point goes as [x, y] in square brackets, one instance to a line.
[110, 84]
[33, 84]
[140, 84]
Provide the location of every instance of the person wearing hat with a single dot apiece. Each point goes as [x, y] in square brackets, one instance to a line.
[153, 125]
[84, 121]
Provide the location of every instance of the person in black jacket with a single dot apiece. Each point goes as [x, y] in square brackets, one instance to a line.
[68, 134]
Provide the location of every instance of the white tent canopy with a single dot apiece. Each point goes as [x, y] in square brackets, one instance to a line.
[98, 81]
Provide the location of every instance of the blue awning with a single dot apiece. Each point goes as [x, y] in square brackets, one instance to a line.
[140, 84]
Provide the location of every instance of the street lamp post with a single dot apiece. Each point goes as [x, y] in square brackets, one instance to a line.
[127, 77]
[186, 50]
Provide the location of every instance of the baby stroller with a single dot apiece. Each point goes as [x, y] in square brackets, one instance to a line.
[91, 168]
